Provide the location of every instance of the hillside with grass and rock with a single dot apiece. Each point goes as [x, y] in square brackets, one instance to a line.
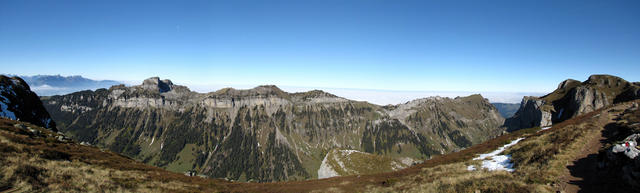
[596, 151]
[572, 98]
[264, 133]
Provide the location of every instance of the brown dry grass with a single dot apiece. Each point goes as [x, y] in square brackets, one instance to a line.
[40, 163]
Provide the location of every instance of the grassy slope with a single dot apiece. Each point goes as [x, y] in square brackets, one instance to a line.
[357, 163]
[30, 162]
[541, 160]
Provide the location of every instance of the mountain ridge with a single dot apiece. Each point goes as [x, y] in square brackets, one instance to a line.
[240, 133]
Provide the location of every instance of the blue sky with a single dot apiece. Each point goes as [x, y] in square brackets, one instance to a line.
[501, 46]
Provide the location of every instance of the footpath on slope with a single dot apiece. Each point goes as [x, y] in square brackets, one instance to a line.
[584, 175]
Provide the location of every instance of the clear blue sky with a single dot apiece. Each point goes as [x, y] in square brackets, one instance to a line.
[477, 45]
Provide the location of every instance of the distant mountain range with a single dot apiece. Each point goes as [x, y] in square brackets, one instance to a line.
[48, 85]
[266, 134]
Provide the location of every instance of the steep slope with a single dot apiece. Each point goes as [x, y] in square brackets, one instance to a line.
[264, 133]
[18, 102]
[35, 159]
[572, 156]
[572, 98]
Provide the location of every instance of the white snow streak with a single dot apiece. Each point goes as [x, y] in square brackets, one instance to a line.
[326, 171]
[471, 167]
[493, 161]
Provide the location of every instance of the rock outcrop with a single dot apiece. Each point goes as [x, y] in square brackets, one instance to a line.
[572, 98]
[530, 114]
[621, 157]
[18, 102]
[264, 133]
[628, 147]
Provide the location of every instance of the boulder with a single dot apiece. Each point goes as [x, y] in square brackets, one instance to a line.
[628, 146]
[623, 159]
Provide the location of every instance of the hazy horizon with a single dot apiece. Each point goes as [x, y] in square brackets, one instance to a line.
[375, 96]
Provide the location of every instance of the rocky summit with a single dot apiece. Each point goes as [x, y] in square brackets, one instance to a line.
[264, 133]
[572, 98]
[18, 102]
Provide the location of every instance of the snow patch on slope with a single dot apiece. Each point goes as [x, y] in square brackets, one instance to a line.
[326, 171]
[493, 161]
[544, 128]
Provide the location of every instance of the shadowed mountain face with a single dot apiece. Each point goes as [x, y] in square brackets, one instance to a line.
[572, 98]
[47, 85]
[17, 102]
[264, 133]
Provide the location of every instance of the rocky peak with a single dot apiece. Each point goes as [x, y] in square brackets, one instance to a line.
[572, 98]
[568, 83]
[14, 81]
[472, 97]
[314, 94]
[532, 113]
[267, 89]
[263, 90]
[606, 80]
[154, 83]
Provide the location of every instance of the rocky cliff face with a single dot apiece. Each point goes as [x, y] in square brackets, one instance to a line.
[532, 113]
[264, 133]
[572, 98]
[18, 102]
